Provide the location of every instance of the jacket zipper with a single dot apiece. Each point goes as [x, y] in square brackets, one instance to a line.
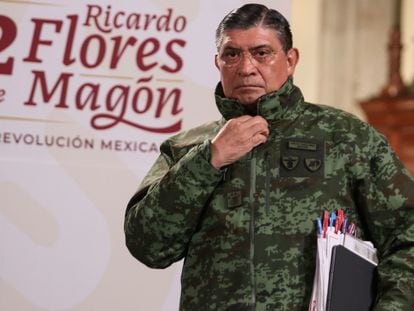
[267, 182]
[252, 227]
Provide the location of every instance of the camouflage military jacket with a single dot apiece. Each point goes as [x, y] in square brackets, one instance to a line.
[247, 232]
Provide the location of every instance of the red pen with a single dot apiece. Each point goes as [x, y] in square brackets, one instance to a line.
[325, 222]
[351, 229]
[339, 220]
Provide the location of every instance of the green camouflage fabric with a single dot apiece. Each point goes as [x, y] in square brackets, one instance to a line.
[247, 232]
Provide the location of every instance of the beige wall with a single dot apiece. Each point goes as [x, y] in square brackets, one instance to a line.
[407, 69]
[343, 46]
[306, 28]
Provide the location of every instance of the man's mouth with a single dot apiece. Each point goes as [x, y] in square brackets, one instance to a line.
[244, 86]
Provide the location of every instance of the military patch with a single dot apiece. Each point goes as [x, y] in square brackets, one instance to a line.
[302, 157]
[313, 164]
[290, 162]
[302, 145]
[234, 199]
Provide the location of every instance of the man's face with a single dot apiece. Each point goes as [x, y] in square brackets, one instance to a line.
[252, 63]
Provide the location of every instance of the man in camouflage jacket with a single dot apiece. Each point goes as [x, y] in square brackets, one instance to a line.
[238, 198]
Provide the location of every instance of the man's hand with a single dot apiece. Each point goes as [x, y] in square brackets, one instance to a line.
[237, 137]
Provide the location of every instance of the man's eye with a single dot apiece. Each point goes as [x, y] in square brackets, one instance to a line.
[230, 57]
[230, 54]
[262, 53]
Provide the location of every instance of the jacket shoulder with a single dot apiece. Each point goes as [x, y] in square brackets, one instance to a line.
[337, 119]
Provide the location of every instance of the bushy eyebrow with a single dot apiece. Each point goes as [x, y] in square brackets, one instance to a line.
[260, 46]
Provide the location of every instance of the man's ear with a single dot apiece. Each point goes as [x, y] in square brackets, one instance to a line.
[292, 60]
[216, 61]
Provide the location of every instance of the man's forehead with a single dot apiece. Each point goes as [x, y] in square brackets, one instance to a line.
[249, 38]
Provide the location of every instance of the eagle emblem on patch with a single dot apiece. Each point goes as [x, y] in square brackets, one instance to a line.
[290, 162]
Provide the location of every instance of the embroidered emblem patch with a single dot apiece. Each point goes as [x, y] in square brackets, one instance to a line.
[290, 162]
[302, 157]
[313, 164]
[234, 199]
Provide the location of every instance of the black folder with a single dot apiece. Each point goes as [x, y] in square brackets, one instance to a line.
[351, 281]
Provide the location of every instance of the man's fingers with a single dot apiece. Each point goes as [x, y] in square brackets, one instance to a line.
[252, 125]
[236, 138]
[259, 128]
[243, 118]
[258, 139]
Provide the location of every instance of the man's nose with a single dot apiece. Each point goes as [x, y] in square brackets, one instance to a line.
[247, 64]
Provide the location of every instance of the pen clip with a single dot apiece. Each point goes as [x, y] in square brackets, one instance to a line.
[325, 222]
[339, 220]
[332, 219]
[344, 226]
[319, 224]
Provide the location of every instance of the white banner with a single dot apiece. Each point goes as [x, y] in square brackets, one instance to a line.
[88, 91]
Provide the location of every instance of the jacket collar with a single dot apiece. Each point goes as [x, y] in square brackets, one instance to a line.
[273, 106]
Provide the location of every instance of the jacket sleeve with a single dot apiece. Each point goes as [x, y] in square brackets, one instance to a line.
[386, 202]
[163, 215]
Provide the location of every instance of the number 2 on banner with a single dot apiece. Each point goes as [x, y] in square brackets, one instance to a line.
[8, 32]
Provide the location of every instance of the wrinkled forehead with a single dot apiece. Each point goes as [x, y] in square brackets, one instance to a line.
[249, 38]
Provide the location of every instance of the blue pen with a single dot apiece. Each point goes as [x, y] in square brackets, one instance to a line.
[319, 224]
[332, 219]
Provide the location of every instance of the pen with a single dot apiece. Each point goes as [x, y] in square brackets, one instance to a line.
[339, 220]
[351, 228]
[344, 225]
[319, 224]
[332, 219]
[325, 222]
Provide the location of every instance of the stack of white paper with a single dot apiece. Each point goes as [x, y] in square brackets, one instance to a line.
[328, 237]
